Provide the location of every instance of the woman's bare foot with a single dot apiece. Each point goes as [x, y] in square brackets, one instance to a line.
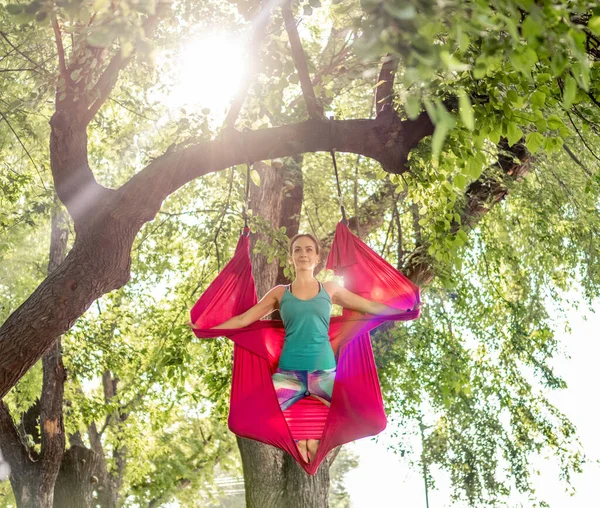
[303, 449]
[313, 447]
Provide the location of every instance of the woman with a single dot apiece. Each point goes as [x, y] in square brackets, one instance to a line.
[307, 362]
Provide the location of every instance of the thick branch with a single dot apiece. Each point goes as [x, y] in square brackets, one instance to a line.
[384, 93]
[73, 179]
[313, 107]
[386, 139]
[258, 34]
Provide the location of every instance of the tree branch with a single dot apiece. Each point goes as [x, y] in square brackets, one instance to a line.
[314, 108]
[581, 136]
[107, 80]
[576, 160]
[384, 93]
[16, 49]
[258, 34]
[61, 50]
[24, 149]
[386, 139]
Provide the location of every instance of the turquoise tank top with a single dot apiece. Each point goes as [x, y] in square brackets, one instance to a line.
[306, 323]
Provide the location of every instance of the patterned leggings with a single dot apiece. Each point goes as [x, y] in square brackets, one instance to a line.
[293, 385]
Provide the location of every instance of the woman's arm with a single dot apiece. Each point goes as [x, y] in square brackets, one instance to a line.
[347, 299]
[264, 307]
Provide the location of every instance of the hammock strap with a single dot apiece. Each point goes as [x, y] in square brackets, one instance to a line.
[339, 189]
[247, 197]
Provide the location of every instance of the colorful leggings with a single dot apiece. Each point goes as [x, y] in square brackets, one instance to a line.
[293, 385]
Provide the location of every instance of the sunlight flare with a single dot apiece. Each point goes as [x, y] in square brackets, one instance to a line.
[208, 72]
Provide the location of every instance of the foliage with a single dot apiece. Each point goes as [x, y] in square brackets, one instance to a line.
[478, 363]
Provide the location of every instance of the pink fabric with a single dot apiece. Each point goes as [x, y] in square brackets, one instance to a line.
[356, 408]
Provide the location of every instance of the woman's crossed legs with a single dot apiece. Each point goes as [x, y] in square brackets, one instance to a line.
[293, 385]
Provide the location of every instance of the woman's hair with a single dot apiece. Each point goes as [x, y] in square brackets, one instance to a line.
[306, 235]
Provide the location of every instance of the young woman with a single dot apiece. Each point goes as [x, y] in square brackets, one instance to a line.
[307, 363]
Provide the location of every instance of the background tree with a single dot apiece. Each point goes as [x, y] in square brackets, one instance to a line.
[509, 91]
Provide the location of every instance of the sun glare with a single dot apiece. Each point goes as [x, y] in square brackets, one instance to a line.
[208, 73]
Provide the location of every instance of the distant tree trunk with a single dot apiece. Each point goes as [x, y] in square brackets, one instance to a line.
[55, 478]
[33, 476]
[76, 482]
[273, 479]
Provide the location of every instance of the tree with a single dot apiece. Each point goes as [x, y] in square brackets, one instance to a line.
[501, 87]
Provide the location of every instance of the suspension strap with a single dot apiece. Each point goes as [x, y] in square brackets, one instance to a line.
[247, 199]
[339, 189]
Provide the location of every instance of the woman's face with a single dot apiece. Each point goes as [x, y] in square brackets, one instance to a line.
[304, 254]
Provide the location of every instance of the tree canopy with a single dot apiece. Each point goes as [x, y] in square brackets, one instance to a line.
[466, 138]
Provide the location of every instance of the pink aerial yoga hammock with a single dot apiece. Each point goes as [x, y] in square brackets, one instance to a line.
[356, 407]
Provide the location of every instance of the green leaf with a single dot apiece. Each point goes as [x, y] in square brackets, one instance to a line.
[307, 10]
[582, 75]
[400, 12]
[14, 8]
[315, 3]
[452, 63]
[538, 99]
[431, 110]
[480, 70]
[495, 136]
[533, 141]
[474, 168]
[76, 74]
[569, 92]
[465, 110]
[513, 133]
[438, 138]
[255, 177]
[553, 144]
[460, 181]
[531, 29]
[541, 125]
[594, 24]
[554, 122]
[412, 106]
[543, 77]
[512, 96]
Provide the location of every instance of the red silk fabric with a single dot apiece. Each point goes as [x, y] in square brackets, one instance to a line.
[356, 408]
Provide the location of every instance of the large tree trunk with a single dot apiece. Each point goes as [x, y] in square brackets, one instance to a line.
[273, 479]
